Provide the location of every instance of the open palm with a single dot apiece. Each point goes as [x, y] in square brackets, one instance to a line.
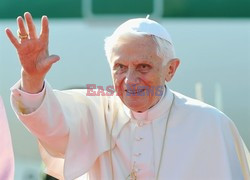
[32, 50]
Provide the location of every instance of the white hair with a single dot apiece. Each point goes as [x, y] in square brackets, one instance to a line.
[165, 49]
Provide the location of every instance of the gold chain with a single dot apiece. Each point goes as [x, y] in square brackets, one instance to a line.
[163, 142]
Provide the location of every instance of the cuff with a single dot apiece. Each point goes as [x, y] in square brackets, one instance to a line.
[25, 102]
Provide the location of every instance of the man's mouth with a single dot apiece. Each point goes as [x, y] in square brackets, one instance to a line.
[134, 92]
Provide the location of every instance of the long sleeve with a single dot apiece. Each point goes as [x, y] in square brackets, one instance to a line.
[26, 103]
[72, 127]
[231, 133]
[36, 113]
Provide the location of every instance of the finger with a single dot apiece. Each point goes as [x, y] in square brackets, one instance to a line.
[12, 38]
[21, 27]
[30, 24]
[51, 60]
[45, 28]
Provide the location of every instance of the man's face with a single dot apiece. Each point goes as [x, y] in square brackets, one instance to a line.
[137, 72]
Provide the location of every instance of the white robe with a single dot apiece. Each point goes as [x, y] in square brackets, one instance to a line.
[201, 142]
[6, 151]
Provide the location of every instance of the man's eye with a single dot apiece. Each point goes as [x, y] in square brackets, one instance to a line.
[144, 67]
[120, 68]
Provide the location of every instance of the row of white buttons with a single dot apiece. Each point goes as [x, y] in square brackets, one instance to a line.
[136, 155]
[141, 153]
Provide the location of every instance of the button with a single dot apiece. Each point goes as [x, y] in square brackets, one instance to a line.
[140, 124]
[137, 154]
[137, 170]
[16, 93]
[138, 138]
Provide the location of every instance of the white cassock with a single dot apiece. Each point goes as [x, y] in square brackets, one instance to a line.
[6, 151]
[201, 143]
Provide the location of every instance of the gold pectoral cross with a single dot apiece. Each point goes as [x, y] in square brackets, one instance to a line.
[132, 175]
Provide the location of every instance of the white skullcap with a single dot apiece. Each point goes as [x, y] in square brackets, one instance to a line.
[144, 26]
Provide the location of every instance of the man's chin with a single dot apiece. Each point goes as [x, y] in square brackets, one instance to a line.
[135, 106]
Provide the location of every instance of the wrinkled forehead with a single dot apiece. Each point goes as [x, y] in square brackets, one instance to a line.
[143, 26]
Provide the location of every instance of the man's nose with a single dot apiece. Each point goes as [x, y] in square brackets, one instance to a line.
[131, 77]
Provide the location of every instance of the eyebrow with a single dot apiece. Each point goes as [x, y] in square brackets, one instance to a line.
[135, 62]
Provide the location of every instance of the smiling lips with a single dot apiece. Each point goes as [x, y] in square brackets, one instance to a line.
[134, 92]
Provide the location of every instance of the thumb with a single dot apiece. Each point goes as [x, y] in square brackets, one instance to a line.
[51, 60]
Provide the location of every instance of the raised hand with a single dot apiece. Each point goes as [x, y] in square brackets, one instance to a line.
[33, 52]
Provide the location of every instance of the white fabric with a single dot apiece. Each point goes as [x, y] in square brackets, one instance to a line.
[144, 26]
[33, 101]
[201, 143]
[6, 151]
[142, 116]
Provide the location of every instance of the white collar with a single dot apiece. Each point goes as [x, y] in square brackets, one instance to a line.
[155, 112]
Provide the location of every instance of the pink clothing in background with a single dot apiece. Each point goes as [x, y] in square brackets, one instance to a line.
[6, 151]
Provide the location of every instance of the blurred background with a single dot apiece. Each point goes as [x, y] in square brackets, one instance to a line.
[211, 37]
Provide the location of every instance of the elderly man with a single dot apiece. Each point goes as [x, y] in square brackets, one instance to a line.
[143, 131]
[6, 151]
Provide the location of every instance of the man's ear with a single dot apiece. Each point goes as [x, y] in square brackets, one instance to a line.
[171, 68]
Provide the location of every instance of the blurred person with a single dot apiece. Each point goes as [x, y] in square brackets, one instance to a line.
[6, 151]
[143, 130]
